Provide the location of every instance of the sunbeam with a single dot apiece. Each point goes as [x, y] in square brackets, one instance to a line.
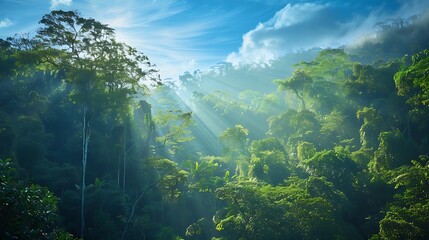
[215, 119]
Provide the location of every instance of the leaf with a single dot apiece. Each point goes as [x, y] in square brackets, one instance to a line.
[98, 182]
[226, 177]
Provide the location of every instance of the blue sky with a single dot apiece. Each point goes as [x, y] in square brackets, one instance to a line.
[184, 35]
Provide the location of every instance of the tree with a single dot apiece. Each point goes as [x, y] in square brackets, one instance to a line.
[271, 104]
[413, 80]
[333, 65]
[305, 150]
[324, 97]
[305, 123]
[340, 127]
[269, 161]
[393, 151]
[407, 217]
[204, 175]
[103, 72]
[369, 83]
[234, 140]
[28, 211]
[280, 125]
[172, 126]
[168, 181]
[297, 83]
[300, 210]
[269, 166]
[370, 128]
[319, 81]
[335, 167]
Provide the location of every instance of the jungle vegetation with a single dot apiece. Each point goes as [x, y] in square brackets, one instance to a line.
[94, 145]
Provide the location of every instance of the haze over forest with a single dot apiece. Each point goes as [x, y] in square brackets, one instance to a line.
[238, 119]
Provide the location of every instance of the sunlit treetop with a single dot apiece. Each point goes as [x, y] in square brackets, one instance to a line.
[92, 46]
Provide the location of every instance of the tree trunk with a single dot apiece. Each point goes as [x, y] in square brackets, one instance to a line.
[134, 208]
[85, 141]
[302, 99]
[125, 158]
[119, 171]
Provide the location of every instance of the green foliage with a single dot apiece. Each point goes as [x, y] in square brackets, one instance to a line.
[369, 130]
[280, 125]
[171, 177]
[294, 127]
[98, 67]
[305, 150]
[300, 175]
[173, 126]
[413, 81]
[414, 179]
[339, 127]
[330, 64]
[205, 175]
[29, 143]
[29, 211]
[224, 103]
[335, 167]
[196, 229]
[270, 166]
[391, 228]
[6, 135]
[271, 104]
[406, 217]
[265, 144]
[167, 233]
[318, 83]
[269, 161]
[305, 123]
[362, 157]
[297, 83]
[369, 82]
[324, 97]
[261, 212]
[235, 140]
[394, 151]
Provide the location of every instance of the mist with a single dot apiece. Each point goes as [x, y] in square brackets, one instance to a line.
[310, 124]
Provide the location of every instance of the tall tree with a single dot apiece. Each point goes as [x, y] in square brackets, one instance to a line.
[332, 65]
[297, 83]
[104, 73]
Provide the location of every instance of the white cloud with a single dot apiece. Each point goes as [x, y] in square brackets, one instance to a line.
[174, 46]
[6, 22]
[307, 25]
[56, 3]
[295, 27]
[294, 14]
